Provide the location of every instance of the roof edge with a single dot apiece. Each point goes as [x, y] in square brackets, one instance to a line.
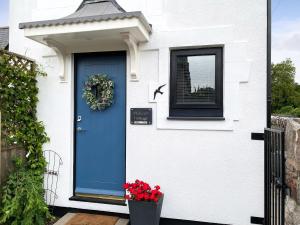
[115, 16]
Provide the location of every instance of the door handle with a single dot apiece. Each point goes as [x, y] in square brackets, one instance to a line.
[79, 129]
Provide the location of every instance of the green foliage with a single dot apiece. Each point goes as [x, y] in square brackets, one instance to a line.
[22, 199]
[286, 110]
[18, 102]
[99, 92]
[296, 112]
[285, 92]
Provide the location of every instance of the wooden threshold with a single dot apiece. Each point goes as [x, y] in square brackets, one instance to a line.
[104, 199]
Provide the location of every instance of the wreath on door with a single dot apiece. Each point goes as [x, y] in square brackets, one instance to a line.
[99, 92]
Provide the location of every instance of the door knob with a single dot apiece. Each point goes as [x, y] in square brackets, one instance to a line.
[79, 129]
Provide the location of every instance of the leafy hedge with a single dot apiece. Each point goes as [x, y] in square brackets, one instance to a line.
[285, 91]
[288, 111]
[22, 195]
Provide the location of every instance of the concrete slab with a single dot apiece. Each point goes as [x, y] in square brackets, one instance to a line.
[122, 222]
[65, 219]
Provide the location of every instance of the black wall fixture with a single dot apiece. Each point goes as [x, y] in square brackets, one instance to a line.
[158, 91]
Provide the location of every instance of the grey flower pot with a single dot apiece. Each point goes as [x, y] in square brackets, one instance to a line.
[145, 213]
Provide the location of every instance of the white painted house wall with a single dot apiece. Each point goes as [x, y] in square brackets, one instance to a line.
[209, 170]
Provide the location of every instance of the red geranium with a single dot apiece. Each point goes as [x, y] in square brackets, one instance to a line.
[141, 191]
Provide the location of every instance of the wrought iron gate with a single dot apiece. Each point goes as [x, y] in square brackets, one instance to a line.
[274, 177]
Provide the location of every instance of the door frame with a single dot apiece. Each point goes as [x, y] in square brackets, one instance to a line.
[74, 56]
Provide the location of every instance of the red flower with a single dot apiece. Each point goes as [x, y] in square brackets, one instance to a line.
[142, 191]
[140, 196]
[146, 187]
[146, 197]
[126, 185]
[127, 197]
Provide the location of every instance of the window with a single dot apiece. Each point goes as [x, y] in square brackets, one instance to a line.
[196, 90]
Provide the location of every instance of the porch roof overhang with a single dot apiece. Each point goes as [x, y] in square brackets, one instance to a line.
[92, 22]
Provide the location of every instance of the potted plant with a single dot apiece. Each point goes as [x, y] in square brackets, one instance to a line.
[144, 202]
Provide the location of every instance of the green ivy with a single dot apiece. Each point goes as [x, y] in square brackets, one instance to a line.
[18, 103]
[22, 198]
[20, 127]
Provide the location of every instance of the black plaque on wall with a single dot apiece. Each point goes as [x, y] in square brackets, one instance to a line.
[141, 116]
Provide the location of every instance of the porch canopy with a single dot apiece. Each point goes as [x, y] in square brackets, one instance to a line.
[93, 22]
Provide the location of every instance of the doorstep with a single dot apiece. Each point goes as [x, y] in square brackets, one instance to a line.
[71, 216]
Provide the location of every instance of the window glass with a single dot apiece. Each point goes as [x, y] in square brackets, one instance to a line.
[195, 79]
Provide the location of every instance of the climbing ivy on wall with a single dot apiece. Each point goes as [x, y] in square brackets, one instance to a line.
[18, 103]
[22, 201]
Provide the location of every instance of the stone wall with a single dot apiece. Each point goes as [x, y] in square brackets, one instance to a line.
[292, 149]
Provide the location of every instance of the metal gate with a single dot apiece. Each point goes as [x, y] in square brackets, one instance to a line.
[274, 177]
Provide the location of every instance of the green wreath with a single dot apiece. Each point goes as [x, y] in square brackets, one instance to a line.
[98, 92]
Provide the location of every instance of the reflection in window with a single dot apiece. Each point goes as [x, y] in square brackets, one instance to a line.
[195, 79]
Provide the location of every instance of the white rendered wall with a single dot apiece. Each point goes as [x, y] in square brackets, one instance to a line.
[209, 171]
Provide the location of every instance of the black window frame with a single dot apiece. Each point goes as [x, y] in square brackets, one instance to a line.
[197, 110]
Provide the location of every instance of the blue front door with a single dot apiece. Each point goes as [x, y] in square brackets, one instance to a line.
[100, 135]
